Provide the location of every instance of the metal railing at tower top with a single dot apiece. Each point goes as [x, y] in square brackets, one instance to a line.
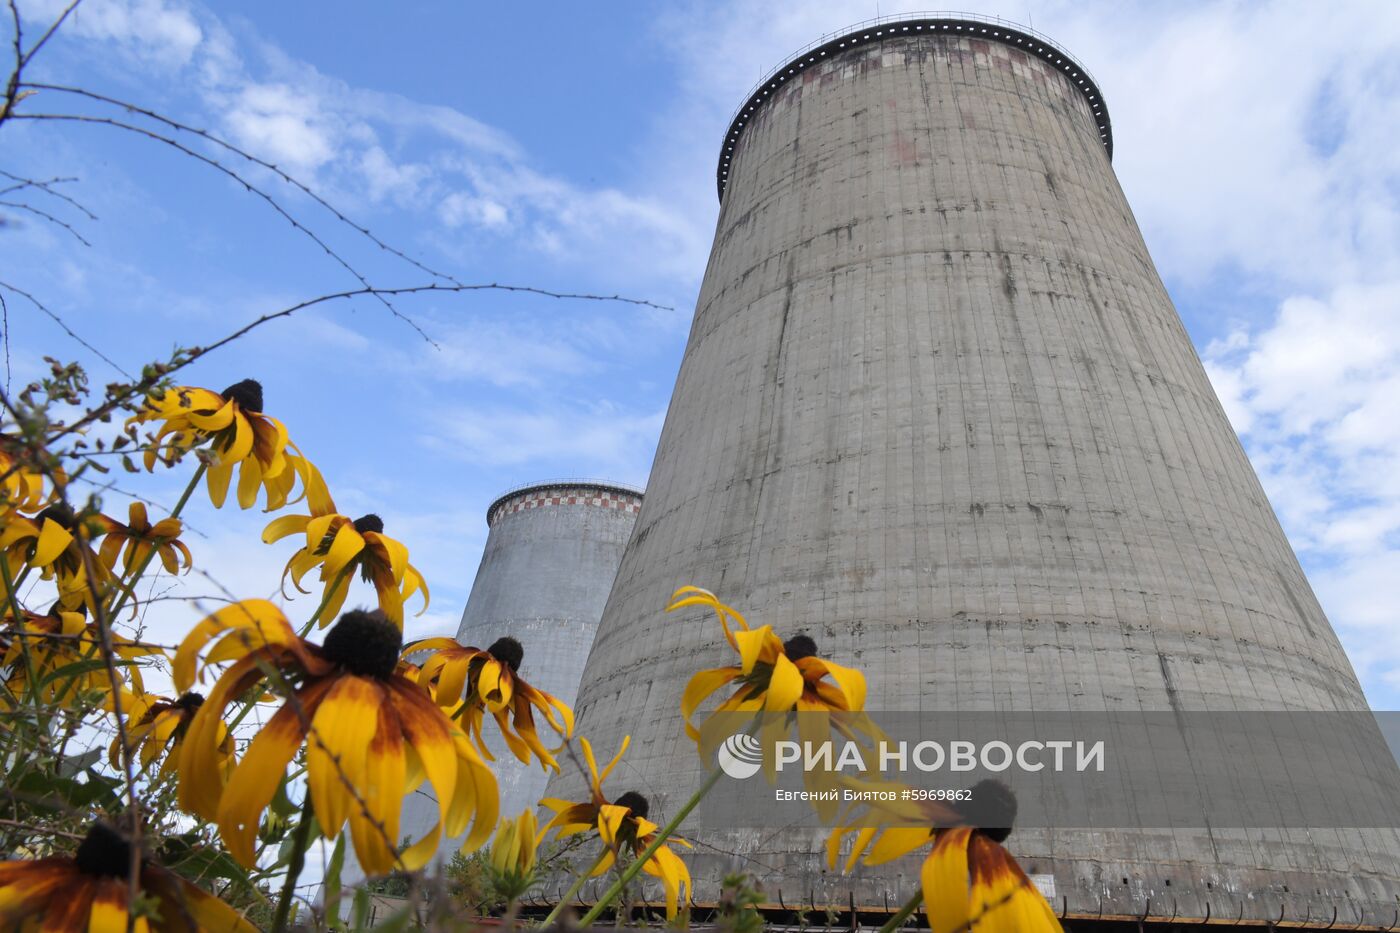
[865, 30]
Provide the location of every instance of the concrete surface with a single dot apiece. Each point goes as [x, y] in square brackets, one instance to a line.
[938, 411]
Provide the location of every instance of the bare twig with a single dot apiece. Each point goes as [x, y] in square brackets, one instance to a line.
[139, 387]
[68, 330]
[45, 186]
[247, 186]
[21, 206]
[236, 150]
[53, 27]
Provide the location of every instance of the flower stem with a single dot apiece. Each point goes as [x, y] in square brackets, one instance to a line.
[326, 599]
[905, 912]
[299, 845]
[573, 890]
[130, 588]
[661, 836]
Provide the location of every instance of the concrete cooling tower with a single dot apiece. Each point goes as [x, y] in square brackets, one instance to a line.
[937, 410]
[551, 555]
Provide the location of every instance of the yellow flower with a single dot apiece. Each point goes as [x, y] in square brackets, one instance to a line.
[513, 853]
[969, 881]
[489, 682]
[139, 536]
[335, 543]
[371, 735]
[621, 824]
[56, 542]
[157, 725]
[89, 891]
[57, 641]
[240, 435]
[21, 482]
[773, 675]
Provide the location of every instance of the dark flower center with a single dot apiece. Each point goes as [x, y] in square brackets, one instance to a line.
[634, 802]
[370, 522]
[248, 394]
[508, 651]
[189, 702]
[61, 513]
[798, 647]
[364, 643]
[103, 851]
[992, 809]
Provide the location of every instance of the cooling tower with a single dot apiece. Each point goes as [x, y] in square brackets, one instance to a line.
[551, 555]
[937, 410]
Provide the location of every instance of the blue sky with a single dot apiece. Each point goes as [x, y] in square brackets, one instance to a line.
[572, 147]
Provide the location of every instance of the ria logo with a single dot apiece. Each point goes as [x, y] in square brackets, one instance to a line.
[740, 756]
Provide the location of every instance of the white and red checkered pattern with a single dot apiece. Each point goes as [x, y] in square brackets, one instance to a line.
[566, 495]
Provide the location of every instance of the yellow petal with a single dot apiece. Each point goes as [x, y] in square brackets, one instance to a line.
[279, 528]
[53, 541]
[751, 644]
[944, 879]
[702, 685]
[335, 750]
[785, 688]
[254, 781]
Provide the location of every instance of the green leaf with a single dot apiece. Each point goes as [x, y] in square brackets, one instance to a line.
[331, 888]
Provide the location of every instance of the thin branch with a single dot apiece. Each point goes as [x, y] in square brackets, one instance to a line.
[247, 185]
[46, 187]
[40, 305]
[271, 167]
[47, 33]
[5, 313]
[138, 388]
[21, 206]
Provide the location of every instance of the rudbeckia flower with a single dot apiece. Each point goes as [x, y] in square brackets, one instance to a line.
[371, 735]
[969, 881]
[21, 484]
[512, 854]
[240, 436]
[773, 675]
[134, 541]
[622, 825]
[489, 682]
[60, 640]
[89, 891]
[157, 725]
[339, 546]
[56, 542]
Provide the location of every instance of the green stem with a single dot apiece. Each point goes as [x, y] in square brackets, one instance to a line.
[125, 592]
[325, 599]
[299, 844]
[573, 890]
[905, 912]
[665, 833]
[31, 677]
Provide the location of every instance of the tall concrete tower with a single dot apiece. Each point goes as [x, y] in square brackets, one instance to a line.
[551, 555]
[937, 410]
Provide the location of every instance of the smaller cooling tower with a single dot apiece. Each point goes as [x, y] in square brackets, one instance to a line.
[550, 559]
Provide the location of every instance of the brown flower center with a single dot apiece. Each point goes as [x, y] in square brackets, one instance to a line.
[103, 852]
[798, 647]
[364, 643]
[370, 522]
[248, 394]
[190, 702]
[634, 802]
[508, 651]
[992, 809]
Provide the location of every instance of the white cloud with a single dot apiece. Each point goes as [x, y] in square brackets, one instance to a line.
[152, 31]
[579, 440]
